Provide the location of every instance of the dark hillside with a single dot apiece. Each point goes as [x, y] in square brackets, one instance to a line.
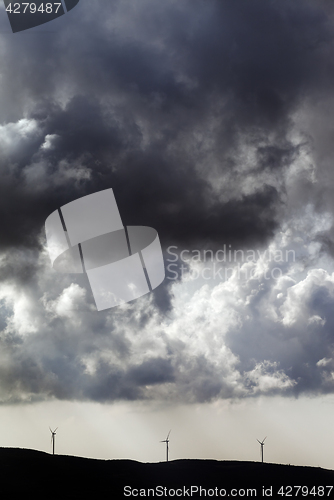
[39, 475]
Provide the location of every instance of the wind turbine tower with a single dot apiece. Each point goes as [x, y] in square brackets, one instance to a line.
[166, 441]
[262, 445]
[53, 439]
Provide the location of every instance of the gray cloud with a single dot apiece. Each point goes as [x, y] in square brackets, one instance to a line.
[212, 123]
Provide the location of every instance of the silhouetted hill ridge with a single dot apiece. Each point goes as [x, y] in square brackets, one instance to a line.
[26, 471]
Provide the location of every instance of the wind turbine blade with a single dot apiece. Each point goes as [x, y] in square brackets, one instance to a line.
[264, 439]
[258, 441]
[168, 434]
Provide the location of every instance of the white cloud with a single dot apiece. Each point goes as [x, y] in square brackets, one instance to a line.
[15, 136]
[49, 141]
[295, 307]
[266, 377]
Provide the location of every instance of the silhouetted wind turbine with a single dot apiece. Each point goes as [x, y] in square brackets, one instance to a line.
[166, 441]
[262, 445]
[53, 439]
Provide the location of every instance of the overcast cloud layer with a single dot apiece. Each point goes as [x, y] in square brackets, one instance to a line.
[212, 122]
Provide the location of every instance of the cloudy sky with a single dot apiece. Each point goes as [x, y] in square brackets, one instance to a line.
[212, 123]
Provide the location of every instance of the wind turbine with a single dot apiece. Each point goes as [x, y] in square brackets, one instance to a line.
[166, 441]
[53, 439]
[262, 445]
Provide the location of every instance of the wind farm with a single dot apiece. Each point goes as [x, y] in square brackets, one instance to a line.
[180, 477]
[167, 440]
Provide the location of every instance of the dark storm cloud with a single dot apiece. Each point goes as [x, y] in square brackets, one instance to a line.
[166, 103]
[259, 57]
[153, 371]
